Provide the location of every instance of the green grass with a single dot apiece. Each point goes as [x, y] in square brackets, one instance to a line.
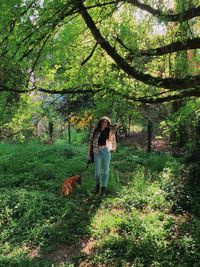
[133, 226]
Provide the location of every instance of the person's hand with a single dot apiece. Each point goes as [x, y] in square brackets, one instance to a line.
[115, 126]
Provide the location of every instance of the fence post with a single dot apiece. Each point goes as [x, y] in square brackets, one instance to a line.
[149, 135]
[69, 132]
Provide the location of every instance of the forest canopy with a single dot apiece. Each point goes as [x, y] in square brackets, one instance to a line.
[129, 48]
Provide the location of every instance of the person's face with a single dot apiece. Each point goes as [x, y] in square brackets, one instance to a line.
[104, 124]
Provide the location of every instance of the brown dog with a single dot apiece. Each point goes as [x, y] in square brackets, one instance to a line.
[69, 184]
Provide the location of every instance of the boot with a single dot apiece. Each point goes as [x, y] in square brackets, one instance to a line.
[103, 191]
[97, 188]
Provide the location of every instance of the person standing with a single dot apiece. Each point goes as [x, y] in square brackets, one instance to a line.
[102, 141]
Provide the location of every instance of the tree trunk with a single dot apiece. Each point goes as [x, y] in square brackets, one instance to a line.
[149, 135]
[129, 124]
[69, 132]
[51, 130]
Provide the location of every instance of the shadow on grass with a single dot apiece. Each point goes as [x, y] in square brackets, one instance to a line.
[38, 226]
[52, 228]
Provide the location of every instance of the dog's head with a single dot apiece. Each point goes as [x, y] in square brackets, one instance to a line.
[79, 179]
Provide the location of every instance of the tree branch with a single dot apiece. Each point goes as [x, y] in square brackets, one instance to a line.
[90, 55]
[37, 58]
[155, 99]
[183, 16]
[103, 4]
[167, 49]
[169, 83]
[43, 27]
[72, 90]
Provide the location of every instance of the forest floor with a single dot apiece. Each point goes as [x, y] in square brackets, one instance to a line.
[158, 144]
[134, 225]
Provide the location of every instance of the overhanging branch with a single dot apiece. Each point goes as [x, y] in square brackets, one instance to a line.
[169, 83]
[158, 99]
[167, 49]
[94, 88]
[161, 97]
[183, 16]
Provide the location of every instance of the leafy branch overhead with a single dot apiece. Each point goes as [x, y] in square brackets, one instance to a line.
[44, 37]
[168, 83]
[166, 16]
[160, 51]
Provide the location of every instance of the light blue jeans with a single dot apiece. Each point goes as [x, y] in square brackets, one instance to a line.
[102, 158]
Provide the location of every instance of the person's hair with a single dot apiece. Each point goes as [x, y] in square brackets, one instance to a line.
[98, 127]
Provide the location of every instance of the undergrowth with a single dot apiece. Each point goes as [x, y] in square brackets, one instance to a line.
[134, 225]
